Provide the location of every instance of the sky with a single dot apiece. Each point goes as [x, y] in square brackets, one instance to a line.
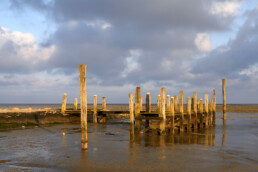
[177, 44]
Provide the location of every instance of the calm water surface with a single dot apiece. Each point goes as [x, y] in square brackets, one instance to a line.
[111, 147]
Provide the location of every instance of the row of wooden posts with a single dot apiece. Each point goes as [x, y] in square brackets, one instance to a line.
[135, 109]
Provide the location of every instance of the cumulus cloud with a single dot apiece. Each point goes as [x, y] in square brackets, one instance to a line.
[226, 8]
[202, 42]
[20, 51]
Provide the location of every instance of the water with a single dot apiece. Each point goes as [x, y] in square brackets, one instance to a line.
[111, 147]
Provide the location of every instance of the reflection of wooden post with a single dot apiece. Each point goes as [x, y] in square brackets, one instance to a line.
[75, 104]
[83, 103]
[64, 103]
[224, 98]
[168, 103]
[158, 103]
[175, 102]
[95, 110]
[148, 102]
[131, 105]
[162, 103]
[181, 103]
[206, 99]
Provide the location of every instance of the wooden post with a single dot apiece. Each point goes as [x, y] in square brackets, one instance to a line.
[175, 102]
[163, 109]
[148, 102]
[195, 104]
[201, 113]
[137, 101]
[75, 104]
[181, 102]
[172, 109]
[64, 103]
[198, 105]
[188, 101]
[141, 103]
[158, 103]
[131, 106]
[206, 99]
[168, 103]
[83, 104]
[210, 112]
[224, 98]
[95, 109]
[162, 103]
[192, 107]
[214, 107]
[104, 108]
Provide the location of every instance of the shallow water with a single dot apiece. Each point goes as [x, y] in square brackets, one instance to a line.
[111, 147]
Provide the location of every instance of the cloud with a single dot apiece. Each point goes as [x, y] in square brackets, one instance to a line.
[202, 41]
[226, 8]
[20, 51]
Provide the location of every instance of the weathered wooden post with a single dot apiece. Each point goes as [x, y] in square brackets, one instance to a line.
[201, 113]
[83, 104]
[158, 103]
[75, 104]
[168, 103]
[141, 103]
[148, 102]
[172, 109]
[131, 107]
[95, 109]
[198, 105]
[181, 103]
[206, 111]
[104, 108]
[137, 108]
[214, 107]
[176, 104]
[63, 109]
[224, 98]
[210, 112]
[188, 101]
[163, 109]
[195, 110]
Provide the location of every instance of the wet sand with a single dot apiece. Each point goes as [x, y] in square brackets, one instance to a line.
[111, 147]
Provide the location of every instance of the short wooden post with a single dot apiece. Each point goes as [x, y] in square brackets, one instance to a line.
[83, 104]
[131, 107]
[210, 112]
[148, 102]
[104, 108]
[195, 110]
[158, 103]
[176, 103]
[75, 104]
[141, 103]
[181, 102]
[168, 103]
[198, 105]
[137, 108]
[224, 98]
[206, 111]
[64, 103]
[172, 109]
[192, 107]
[95, 109]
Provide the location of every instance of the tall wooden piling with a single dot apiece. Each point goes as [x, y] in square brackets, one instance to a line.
[214, 107]
[176, 103]
[206, 108]
[188, 107]
[95, 109]
[172, 110]
[131, 108]
[201, 113]
[63, 109]
[181, 102]
[224, 98]
[75, 104]
[168, 103]
[195, 103]
[163, 109]
[137, 101]
[141, 103]
[148, 102]
[158, 103]
[163, 103]
[83, 104]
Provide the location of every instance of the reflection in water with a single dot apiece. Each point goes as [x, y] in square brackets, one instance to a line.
[151, 138]
[224, 133]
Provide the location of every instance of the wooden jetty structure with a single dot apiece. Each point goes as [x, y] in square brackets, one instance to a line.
[169, 116]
